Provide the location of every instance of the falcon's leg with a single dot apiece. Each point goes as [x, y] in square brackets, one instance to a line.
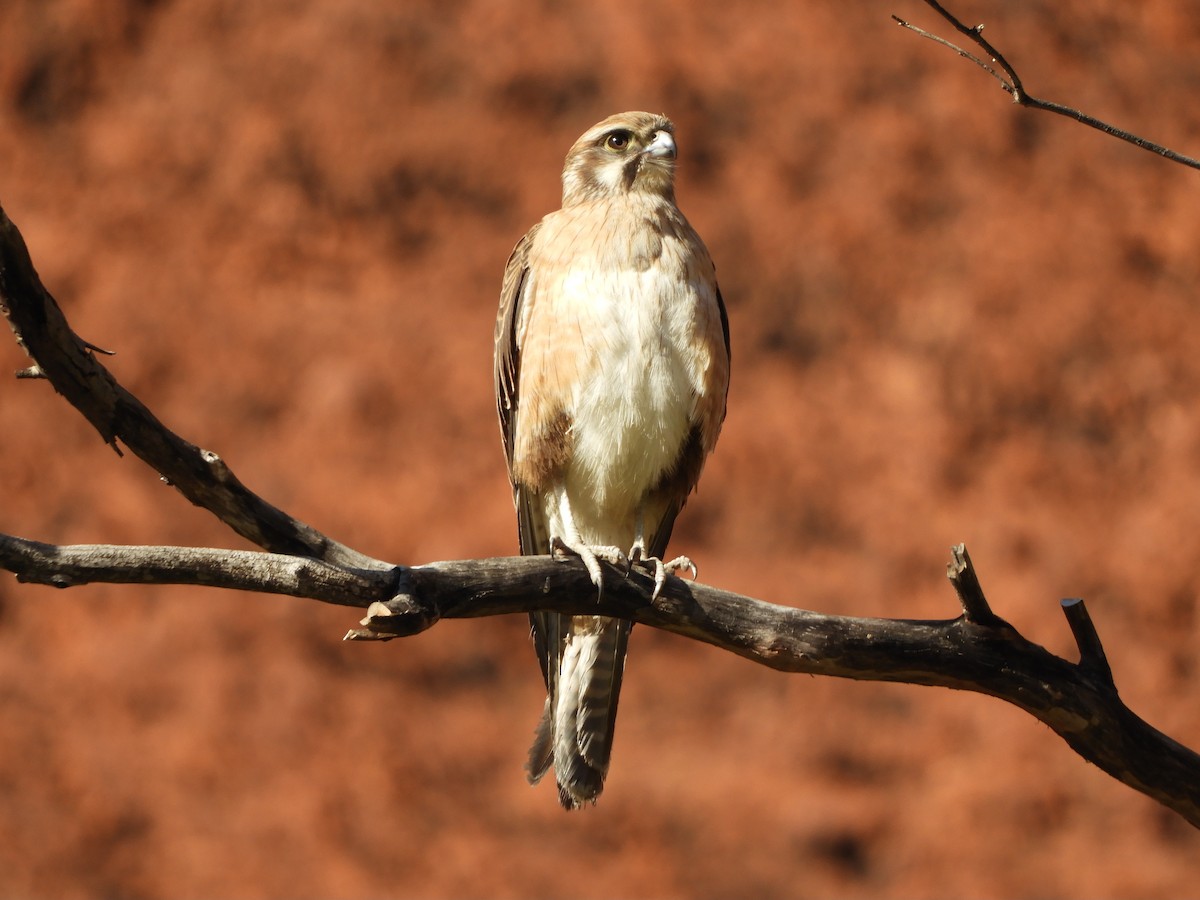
[571, 542]
[661, 569]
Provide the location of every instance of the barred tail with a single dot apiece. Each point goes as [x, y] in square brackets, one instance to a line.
[577, 724]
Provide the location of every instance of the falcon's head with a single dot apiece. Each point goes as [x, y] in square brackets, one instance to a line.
[628, 152]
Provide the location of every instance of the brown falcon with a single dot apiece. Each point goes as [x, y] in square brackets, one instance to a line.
[612, 368]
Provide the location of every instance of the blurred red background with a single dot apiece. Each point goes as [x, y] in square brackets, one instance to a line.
[953, 320]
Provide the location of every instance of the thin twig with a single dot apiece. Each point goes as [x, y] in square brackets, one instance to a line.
[966, 54]
[1016, 89]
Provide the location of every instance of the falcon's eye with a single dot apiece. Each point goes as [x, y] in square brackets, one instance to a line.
[618, 141]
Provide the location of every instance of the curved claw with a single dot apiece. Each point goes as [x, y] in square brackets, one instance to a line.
[679, 563]
[591, 557]
[662, 569]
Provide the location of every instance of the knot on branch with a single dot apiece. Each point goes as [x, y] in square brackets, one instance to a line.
[402, 616]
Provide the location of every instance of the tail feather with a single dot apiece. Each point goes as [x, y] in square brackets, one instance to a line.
[583, 662]
[577, 728]
[542, 751]
[600, 682]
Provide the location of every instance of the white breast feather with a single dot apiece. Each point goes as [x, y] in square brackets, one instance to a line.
[634, 405]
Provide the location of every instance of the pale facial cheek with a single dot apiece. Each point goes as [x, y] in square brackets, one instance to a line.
[611, 178]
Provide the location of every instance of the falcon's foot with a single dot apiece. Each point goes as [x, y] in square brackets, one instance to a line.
[591, 555]
[659, 568]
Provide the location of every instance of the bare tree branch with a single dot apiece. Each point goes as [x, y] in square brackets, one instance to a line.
[977, 651]
[241, 570]
[1013, 86]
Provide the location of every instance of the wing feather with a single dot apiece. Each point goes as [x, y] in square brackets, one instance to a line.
[507, 358]
[549, 629]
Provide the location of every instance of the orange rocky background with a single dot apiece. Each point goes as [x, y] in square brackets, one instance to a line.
[953, 320]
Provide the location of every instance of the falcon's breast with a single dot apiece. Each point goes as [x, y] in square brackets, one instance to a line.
[618, 324]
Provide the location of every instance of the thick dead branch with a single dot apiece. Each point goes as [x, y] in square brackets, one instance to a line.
[977, 651]
[241, 570]
[1010, 81]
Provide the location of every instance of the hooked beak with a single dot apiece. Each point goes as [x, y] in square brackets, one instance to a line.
[661, 147]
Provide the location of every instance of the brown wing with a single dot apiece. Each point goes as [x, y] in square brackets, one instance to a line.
[532, 531]
[507, 359]
[725, 332]
[548, 628]
[720, 373]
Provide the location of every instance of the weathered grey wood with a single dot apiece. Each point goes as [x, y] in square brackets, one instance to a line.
[241, 570]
